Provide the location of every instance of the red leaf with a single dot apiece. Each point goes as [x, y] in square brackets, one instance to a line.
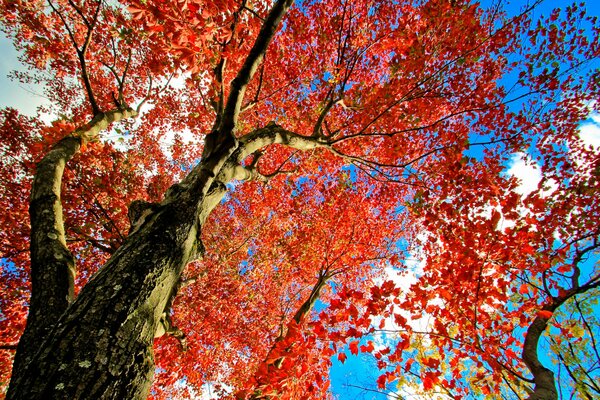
[381, 382]
[564, 269]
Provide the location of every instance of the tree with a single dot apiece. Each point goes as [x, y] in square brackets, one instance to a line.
[322, 141]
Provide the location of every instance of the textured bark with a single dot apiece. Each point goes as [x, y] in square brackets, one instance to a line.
[102, 347]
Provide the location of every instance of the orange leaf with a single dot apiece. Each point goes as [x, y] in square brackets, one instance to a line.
[545, 314]
[524, 289]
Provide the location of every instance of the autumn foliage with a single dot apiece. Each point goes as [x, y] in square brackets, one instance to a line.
[322, 180]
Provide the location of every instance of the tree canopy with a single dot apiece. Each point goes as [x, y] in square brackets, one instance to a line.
[236, 195]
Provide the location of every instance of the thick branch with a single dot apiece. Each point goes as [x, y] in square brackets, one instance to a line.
[312, 299]
[218, 104]
[52, 264]
[275, 134]
[545, 388]
[82, 52]
[255, 57]
[256, 140]
[81, 55]
[222, 139]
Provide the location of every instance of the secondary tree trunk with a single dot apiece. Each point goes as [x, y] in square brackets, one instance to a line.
[545, 388]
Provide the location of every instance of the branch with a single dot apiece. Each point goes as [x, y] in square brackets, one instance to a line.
[258, 90]
[279, 89]
[245, 74]
[276, 354]
[251, 11]
[109, 218]
[78, 10]
[589, 328]
[149, 91]
[65, 24]
[543, 377]
[251, 172]
[81, 55]
[595, 387]
[81, 52]
[222, 138]
[394, 396]
[166, 326]
[508, 383]
[421, 83]
[122, 82]
[312, 298]
[92, 241]
[317, 130]
[568, 368]
[275, 134]
[218, 105]
[90, 27]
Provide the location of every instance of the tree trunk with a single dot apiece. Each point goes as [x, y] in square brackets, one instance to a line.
[101, 346]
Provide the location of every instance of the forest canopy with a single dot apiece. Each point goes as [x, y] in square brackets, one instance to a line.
[234, 199]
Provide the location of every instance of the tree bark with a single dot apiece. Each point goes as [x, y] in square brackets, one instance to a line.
[101, 348]
[52, 264]
[544, 388]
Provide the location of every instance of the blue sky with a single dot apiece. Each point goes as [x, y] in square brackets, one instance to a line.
[13, 94]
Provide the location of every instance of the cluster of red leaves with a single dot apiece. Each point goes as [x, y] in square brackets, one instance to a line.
[197, 32]
[257, 280]
[495, 259]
